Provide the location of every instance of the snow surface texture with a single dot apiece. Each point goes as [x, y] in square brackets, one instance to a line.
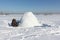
[50, 29]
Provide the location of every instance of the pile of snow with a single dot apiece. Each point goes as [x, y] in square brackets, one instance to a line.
[29, 20]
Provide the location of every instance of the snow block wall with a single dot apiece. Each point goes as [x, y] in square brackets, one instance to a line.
[29, 20]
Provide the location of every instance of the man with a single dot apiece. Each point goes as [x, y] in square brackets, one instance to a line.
[14, 23]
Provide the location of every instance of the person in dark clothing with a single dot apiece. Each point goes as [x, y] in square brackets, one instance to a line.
[14, 23]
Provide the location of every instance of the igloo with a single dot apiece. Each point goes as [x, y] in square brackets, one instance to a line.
[29, 20]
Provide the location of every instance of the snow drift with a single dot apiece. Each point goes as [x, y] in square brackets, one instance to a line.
[29, 20]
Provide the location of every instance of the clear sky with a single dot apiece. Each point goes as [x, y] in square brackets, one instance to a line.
[30, 5]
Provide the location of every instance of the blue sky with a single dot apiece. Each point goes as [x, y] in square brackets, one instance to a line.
[30, 5]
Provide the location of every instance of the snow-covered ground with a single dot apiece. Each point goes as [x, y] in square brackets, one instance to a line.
[50, 29]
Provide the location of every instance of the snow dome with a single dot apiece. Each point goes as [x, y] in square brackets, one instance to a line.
[29, 20]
